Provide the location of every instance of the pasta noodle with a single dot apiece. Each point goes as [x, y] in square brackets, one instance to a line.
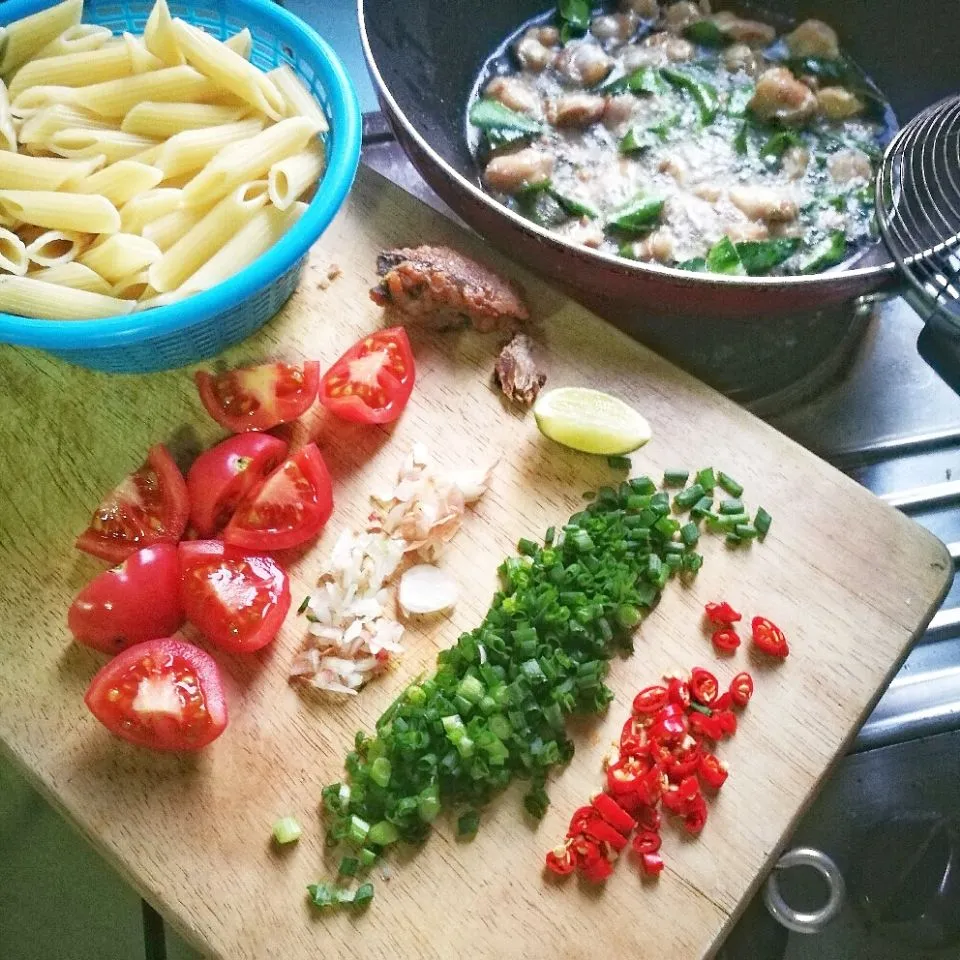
[39, 98]
[61, 211]
[241, 43]
[26, 37]
[78, 39]
[264, 229]
[132, 287]
[38, 298]
[193, 149]
[249, 160]
[74, 275]
[209, 234]
[291, 177]
[56, 247]
[73, 70]
[8, 136]
[229, 70]
[159, 37]
[299, 100]
[43, 124]
[141, 59]
[162, 120]
[114, 98]
[167, 230]
[113, 144]
[13, 253]
[121, 255]
[120, 181]
[135, 214]
[20, 172]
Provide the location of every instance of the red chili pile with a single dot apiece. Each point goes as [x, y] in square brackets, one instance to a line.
[665, 758]
[766, 636]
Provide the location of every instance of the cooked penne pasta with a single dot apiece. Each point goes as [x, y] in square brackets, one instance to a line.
[74, 275]
[165, 231]
[113, 144]
[8, 135]
[121, 255]
[229, 70]
[13, 253]
[194, 149]
[263, 230]
[249, 160]
[141, 59]
[300, 102]
[120, 182]
[43, 124]
[291, 177]
[162, 120]
[133, 287]
[78, 39]
[28, 297]
[115, 98]
[241, 43]
[20, 172]
[148, 302]
[159, 37]
[73, 70]
[25, 37]
[39, 98]
[135, 214]
[209, 234]
[55, 247]
[61, 211]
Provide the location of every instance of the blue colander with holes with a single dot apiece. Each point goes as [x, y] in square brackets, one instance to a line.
[206, 323]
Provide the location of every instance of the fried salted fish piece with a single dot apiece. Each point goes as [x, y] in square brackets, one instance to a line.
[516, 371]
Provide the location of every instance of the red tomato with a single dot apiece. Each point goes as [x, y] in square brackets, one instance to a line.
[150, 506]
[372, 381]
[223, 475]
[258, 398]
[162, 694]
[288, 508]
[137, 601]
[236, 601]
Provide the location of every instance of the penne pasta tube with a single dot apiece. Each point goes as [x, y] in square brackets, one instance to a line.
[160, 300]
[43, 124]
[300, 102]
[121, 255]
[8, 135]
[20, 172]
[78, 39]
[133, 287]
[229, 70]
[56, 247]
[115, 145]
[25, 37]
[261, 232]
[116, 98]
[241, 43]
[120, 182]
[241, 162]
[13, 253]
[207, 236]
[194, 149]
[61, 211]
[74, 275]
[141, 59]
[28, 297]
[135, 214]
[39, 98]
[73, 70]
[162, 120]
[168, 229]
[159, 37]
[291, 177]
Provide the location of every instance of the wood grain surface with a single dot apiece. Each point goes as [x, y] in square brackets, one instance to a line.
[850, 580]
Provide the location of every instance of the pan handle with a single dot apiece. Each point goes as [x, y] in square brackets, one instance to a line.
[783, 913]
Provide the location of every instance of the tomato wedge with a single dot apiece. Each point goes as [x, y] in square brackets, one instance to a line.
[150, 506]
[372, 381]
[223, 475]
[137, 601]
[237, 601]
[288, 508]
[163, 694]
[261, 397]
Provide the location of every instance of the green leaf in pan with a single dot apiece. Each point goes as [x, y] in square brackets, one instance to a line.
[488, 114]
[704, 94]
[722, 257]
[761, 256]
[827, 253]
[639, 215]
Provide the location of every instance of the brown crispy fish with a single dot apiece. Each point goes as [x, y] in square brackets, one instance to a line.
[516, 371]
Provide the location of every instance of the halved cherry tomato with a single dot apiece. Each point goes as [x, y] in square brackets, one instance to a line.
[703, 686]
[137, 601]
[372, 381]
[650, 699]
[236, 600]
[223, 475]
[696, 816]
[288, 508]
[560, 861]
[769, 638]
[149, 506]
[741, 689]
[652, 864]
[162, 694]
[613, 813]
[646, 841]
[713, 771]
[725, 640]
[721, 614]
[258, 398]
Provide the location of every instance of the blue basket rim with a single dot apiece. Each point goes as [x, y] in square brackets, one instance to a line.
[343, 158]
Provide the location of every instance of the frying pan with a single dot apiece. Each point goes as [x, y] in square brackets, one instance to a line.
[425, 56]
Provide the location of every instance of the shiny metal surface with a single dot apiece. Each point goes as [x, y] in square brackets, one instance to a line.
[805, 921]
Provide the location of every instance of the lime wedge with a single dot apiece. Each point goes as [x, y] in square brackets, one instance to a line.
[590, 421]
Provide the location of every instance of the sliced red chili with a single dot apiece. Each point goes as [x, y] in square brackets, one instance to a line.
[613, 813]
[679, 691]
[741, 689]
[633, 739]
[769, 638]
[703, 686]
[713, 771]
[586, 852]
[652, 864]
[723, 702]
[695, 816]
[560, 861]
[625, 775]
[602, 832]
[685, 760]
[598, 870]
[651, 787]
[688, 788]
[705, 726]
[728, 722]
[580, 818]
[646, 841]
[672, 800]
[725, 640]
[721, 613]
[650, 699]
[648, 818]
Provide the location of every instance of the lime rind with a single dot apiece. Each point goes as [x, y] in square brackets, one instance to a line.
[590, 421]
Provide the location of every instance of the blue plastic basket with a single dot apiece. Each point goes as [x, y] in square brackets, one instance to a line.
[208, 322]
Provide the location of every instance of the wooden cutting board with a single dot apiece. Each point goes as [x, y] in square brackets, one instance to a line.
[851, 581]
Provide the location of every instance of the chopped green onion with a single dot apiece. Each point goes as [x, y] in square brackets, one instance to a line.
[675, 478]
[762, 522]
[468, 824]
[368, 857]
[358, 830]
[702, 508]
[364, 895]
[729, 484]
[549, 535]
[471, 689]
[321, 895]
[349, 866]
[642, 486]
[526, 547]
[667, 527]
[686, 498]
[380, 771]
[581, 540]
[700, 708]
[303, 606]
[287, 830]
[706, 479]
[428, 803]
[383, 834]
[690, 534]
[745, 531]
[731, 506]
[619, 463]
[535, 802]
